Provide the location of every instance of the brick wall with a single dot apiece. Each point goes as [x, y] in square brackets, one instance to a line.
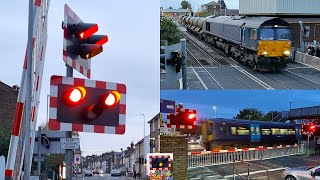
[178, 145]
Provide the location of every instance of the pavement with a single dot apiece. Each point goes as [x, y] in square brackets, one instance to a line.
[257, 169]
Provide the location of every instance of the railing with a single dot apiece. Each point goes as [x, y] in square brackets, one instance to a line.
[307, 59]
[209, 158]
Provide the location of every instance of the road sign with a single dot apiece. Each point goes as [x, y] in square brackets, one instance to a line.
[70, 143]
[77, 158]
[160, 163]
[87, 106]
[167, 106]
[34, 177]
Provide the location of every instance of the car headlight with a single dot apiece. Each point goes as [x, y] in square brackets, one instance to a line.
[264, 52]
[286, 52]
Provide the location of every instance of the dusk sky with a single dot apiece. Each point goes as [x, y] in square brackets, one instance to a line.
[228, 103]
[131, 57]
[196, 4]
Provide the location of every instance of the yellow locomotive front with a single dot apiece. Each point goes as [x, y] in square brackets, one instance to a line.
[274, 48]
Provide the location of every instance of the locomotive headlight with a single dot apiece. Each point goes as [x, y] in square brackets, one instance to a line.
[286, 53]
[264, 52]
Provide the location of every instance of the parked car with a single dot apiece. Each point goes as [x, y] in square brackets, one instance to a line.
[88, 172]
[302, 173]
[96, 171]
[115, 172]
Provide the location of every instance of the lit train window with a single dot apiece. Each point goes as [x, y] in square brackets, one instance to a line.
[291, 132]
[258, 131]
[284, 131]
[234, 130]
[243, 131]
[275, 131]
[265, 132]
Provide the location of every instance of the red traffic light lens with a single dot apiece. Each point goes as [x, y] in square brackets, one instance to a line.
[111, 98]
[88, 32]
[191, 116]
[75, 95]
[312, 127]
[102, 40]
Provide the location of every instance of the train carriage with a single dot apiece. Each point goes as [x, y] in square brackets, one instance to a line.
[230, 133]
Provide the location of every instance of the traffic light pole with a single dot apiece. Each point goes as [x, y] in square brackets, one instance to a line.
[184, 63]
[27, 158]
[69, 152]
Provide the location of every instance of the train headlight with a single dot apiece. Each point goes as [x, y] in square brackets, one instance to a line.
[286, 53]
[264, 52]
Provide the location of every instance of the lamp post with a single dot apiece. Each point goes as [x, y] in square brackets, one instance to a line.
[144, 126]
[215, 111]
[290, 104]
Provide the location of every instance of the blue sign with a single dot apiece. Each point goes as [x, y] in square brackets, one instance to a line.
[167, 106]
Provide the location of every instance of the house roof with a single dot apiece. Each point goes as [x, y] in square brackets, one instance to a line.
[154, 118]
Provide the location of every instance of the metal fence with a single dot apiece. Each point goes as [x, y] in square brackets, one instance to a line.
[209, 158]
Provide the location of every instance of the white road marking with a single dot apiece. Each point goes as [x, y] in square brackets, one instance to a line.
[256, 172]
[201, 81]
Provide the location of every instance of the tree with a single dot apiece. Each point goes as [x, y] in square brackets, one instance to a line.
[170, 7]
[250, 114]
[169, 31]
[272, 116]
[186, 5]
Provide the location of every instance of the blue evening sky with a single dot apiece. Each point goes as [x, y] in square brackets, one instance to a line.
[196, 4]
[228, 103]
[131, 57]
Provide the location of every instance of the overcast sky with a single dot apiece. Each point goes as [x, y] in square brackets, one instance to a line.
[228, 103]
[196, 4]
[131, 57]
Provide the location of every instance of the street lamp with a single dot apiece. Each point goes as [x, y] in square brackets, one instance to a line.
[144, 126]
[290, 104]
[215, 111]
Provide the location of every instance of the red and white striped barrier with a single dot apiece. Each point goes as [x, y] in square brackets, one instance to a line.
[242, 149]
[16, 148]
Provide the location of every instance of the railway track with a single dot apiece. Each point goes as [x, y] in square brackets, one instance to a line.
[204, 58]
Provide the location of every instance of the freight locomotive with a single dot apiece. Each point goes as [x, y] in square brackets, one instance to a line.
[264, 43]
[230, 133]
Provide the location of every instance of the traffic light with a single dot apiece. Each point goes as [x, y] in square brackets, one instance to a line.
[183, 119]
[77, 104]
[308, 128]
[160, 163]
[80, 43]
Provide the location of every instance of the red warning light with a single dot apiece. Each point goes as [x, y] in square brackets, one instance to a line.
[191, 116]
[111, 98]
[102, 40]
[88, 32]
[75, 95]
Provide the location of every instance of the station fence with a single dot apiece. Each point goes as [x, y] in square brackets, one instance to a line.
[307, 59]
[217, 157]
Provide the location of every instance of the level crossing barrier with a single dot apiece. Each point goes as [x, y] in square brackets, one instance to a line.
[217, 157]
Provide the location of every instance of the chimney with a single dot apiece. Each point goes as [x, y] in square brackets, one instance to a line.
[131, 145]
[15, 87]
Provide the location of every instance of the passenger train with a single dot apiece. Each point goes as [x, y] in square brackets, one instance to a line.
[264, 43]
[230, 133]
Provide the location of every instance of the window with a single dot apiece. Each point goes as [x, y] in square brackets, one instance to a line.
[291, 132]
[284, 131]
[275, 131]
[258, 131]
[266, 34]
[234, 130]
[253, 131]
[208, 26]
[283, 34]
[253, 34]
[243, 131]
[265, 132]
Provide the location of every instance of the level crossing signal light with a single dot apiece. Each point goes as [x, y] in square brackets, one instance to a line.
[309, 128]
[183, 118]
[45, 141]
[160, 163]
[87, 105]
[81, 41]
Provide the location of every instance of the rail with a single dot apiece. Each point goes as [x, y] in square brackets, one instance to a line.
[217, 157]
[248, 172]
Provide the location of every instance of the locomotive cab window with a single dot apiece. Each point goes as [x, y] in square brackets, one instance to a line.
[266, 34]
[282, 34]
[253, 34]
